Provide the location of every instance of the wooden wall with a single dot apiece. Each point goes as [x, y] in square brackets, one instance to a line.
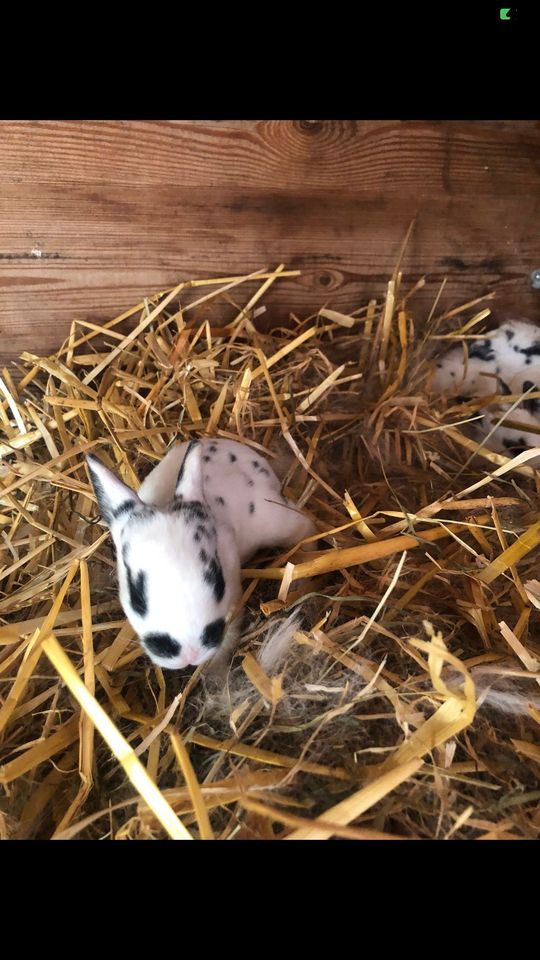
[120, 209]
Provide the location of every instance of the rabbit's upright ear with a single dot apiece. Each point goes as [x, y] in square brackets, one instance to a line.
[189, 485]
[114, 497]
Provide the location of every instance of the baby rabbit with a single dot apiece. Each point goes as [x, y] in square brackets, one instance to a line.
[512, 355]
[180, 541]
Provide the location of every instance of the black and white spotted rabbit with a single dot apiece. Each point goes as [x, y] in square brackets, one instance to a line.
[181, 539]
[510, 356]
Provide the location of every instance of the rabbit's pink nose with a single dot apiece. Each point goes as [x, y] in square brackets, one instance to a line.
[190, 655]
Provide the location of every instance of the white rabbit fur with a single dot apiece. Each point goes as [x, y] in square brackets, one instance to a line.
[512, 355]
[201, 512]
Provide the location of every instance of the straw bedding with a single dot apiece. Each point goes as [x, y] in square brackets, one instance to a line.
[386, 681]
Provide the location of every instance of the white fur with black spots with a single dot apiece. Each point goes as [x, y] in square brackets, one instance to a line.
[505, 361]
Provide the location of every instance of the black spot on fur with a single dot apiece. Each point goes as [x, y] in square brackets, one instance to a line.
[504, 387]
[161, 645]
[126, 507]
[251, 483]
[265, 471]
[509, 334]
[213, 575]
[252, 508]
[232, 457]
[220, 500]
[190, 509]
[212, 448]
[515, 446]
[197, 537]
[482, 351]
[528, 361]
[533, 405]
[204, 556]
[194, 510]
[213, 633]
[192, 444]
[532, 351]
[255, 464]
[206, 458]
[137, 589]
[137, 593]
[439, 366]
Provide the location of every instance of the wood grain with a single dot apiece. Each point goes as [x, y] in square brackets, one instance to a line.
[120, 209]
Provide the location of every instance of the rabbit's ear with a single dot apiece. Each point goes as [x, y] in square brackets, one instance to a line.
[114, 497]
[189, 485]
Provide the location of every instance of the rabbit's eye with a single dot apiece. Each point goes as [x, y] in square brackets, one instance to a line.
[137, 587]
[213, 633]
[213, 575]
[161, 645]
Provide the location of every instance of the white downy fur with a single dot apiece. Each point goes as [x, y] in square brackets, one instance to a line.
[278, 642]
[510, 697]
[502, 694]
[181, 541]
[510, 356]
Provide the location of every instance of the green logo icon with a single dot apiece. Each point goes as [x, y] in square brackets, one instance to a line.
[504, 13]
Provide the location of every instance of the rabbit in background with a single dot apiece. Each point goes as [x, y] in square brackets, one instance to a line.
[507, 361]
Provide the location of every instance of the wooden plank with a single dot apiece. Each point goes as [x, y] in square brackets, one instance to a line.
[94, 215]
